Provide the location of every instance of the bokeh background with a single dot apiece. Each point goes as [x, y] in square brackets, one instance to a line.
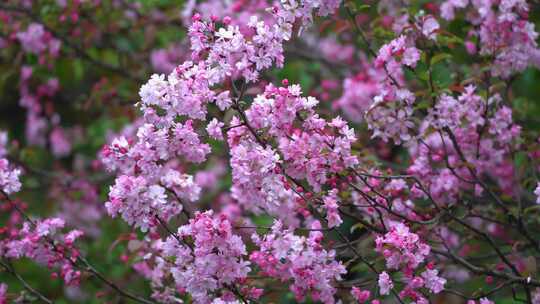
[61, 103]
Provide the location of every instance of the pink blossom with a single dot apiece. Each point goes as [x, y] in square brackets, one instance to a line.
[36, 40]
[432, 281]
[449, 6]
[331, 205]
[301, 260]
[3, 293]
[429, 27]
[3, 143]
[256, 184]
[398, 50]
[359, 295]
[504, 32]
[385, 283]
[537, 192]
[401, 248]
[33, 40]
[411, 56]
[140, 203]
[213, 262]
[33, 241]
[214, 129]
[536, 297]
[9, 177]
[470, 47]
[390, 115]
[60, 144]
[359, 91]
[303, 148]
[165, 60]
[486, 301]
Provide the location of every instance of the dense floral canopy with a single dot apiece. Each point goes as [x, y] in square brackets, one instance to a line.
[256, 151]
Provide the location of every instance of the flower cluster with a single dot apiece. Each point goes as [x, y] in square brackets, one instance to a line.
[288, 257]
[308, 147]
[139, 194]
[330, 202]
[312, 148]
[390, 113]
[208, 257]
[399, 51]
[42, 242]
[139, 203]
[3, 293]
[166, 60]
[404, 251]
[220, 150]
[359, 295]
[502, 30]
[9, 176]
[456, 121]
[359, 91]
[147, 189]
[40, 122]
[257, 183]
[537, 193]
[37, 40]
[236, 13]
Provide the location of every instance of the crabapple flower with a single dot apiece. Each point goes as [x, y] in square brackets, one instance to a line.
[33, 241]
[315, 150]
[114, 155]
[165, 60]
[401, 248]
[221, 301]
[36, 40]
[60, 145]
[537, 192]
[397, 51]
[489, 153]
[218, 54]
[3, 143]
[257, 184]
[405, 252]
[536, 297]
[310, 148]
[359, 91]
[361, 296]
[385, 283]
[208, 257]
[183, 185]
[331, 205]
[448, 8]
[432, 281]
[214, 129]
[304, 261]
[503, 30]
[9, 177]
[429, 27]
[486, 301]
[141, 204]
[390, 115]
[3, 293]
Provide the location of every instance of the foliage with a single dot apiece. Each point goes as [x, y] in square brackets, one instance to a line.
[255, 151]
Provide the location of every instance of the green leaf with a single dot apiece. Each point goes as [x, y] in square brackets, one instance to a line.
[78, 69]
[439, 57]
[356, 226]
[361, 7]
